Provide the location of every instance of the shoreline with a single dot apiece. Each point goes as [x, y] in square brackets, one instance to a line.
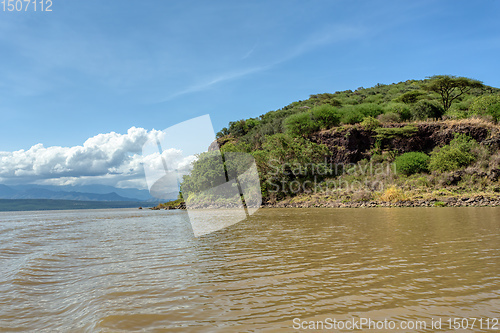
[473, 201]
[450, 202]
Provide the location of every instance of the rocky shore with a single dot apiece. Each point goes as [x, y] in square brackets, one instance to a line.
[181, 205]
[476, 201]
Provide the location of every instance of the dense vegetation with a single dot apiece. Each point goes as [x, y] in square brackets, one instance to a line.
[461, 152]
[290, 162]
[403, 101]
[412, 162]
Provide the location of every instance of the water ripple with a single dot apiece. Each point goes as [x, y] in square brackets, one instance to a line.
[124, 270]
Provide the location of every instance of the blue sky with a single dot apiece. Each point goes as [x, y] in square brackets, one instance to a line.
[95, 67]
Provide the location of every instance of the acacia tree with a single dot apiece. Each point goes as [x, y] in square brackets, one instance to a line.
[451, 87]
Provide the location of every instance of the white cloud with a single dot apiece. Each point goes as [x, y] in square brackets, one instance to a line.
[111, 159]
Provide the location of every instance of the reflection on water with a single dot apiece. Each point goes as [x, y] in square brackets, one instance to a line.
[126, 270]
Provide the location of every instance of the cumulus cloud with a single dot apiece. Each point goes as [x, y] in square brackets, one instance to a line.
[111, 159]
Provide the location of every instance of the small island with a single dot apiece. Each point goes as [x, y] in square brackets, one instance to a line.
[174, 204]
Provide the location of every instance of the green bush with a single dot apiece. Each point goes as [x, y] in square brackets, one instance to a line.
[390, 117]
[369, 109]
[270, 127]
[370, 123]
[494, 111]
[392, 132]
[280, 151]
[326, 116]
[300, 124]
[325, 98]
[423, 110]
[401, 109]
[481, 104]
[350, 115]
[461, 106]
[461, 152]
[486, 105]
[376, 98]
[412, 162]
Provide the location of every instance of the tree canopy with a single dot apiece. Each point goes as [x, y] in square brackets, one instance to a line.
[451, 87]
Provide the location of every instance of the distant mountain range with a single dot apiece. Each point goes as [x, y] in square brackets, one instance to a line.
[10, 205]
[79, 193]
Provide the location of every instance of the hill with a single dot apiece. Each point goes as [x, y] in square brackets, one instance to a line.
[410, 100]
[432, 140]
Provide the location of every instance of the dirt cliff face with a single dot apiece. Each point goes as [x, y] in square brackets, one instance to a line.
[351, 144]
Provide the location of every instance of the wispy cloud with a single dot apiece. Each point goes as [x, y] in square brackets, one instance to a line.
[216, 80]
[326, 36]
[323, 37]
[249, 53]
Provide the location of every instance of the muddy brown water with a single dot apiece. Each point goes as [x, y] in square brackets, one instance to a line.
[131, 270]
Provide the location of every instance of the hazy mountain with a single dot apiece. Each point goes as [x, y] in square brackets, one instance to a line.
[49, 204]
[6, 191]
[81, 193]
[133, 193]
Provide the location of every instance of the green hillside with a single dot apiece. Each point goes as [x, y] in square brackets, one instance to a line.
[410, 100]
[439, 137]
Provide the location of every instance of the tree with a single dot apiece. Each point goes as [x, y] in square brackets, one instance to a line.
[423, 110]
[451, 87]
[410, 97]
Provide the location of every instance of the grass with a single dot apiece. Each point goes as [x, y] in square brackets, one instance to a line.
[393, 194]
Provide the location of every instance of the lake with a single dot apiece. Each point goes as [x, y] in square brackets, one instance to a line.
[281, 269]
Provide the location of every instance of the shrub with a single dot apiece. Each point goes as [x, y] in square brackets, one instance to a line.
[369, 109]
[392, 132]
[325, 98]
[271, 127]
[362, 195]
[326, 116]
[425, 109]
[300, 124]
[350, 115]
[494, 111]
[412, 162]
[461, 106]
[455, 114]
[375, 98]
[370, 123]
[461, 152]
[401, 109]
[481, 104]
[393, 194]
[390, 117]
[486, 106]
[232, 147]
